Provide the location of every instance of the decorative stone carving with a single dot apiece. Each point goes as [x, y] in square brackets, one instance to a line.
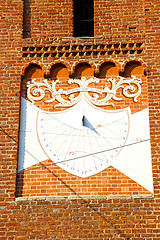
[131, 88]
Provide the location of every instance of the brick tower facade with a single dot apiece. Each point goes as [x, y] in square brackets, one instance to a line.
[79, 119]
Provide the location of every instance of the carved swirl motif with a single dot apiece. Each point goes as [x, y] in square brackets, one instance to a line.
[131, 88]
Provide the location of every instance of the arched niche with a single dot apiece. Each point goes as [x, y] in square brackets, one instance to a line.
[133, 68]
[108, 69]
[83, 70]
[59, 71]
[33, 71]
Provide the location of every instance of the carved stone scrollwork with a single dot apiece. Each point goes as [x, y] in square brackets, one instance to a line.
[131, 88]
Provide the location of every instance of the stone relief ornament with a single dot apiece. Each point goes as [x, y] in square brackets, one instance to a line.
[131, 88]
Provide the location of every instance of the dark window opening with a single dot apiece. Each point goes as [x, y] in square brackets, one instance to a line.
[26, 18]
[83, 18]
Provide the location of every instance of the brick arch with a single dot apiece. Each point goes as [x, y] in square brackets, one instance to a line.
[59, 71]
[58, 63]
[108, 68]
[141, 62]
[31, 64]
[82, 63]
[133, 67]
[108, 61]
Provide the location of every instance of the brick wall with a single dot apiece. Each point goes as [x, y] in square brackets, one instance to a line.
[11, 40]
[124, 216]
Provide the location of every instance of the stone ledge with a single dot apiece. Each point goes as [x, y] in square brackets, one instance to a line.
[109, 197]
[81, 38]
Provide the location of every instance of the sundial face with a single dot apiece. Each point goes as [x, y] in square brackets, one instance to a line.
[84, 139]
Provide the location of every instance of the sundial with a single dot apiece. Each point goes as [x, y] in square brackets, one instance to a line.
[77, 139]
[81, 137]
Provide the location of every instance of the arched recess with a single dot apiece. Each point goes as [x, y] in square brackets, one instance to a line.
[133, 68]
[34, 71]
[108, 69]
[83, 70]
[59, 71]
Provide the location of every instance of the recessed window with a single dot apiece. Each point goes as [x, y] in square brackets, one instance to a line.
[83, 18]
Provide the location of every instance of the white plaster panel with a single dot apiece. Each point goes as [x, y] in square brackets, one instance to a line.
[30, 151]
[135, 159]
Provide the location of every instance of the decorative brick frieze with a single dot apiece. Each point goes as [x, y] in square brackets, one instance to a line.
[82, 50]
